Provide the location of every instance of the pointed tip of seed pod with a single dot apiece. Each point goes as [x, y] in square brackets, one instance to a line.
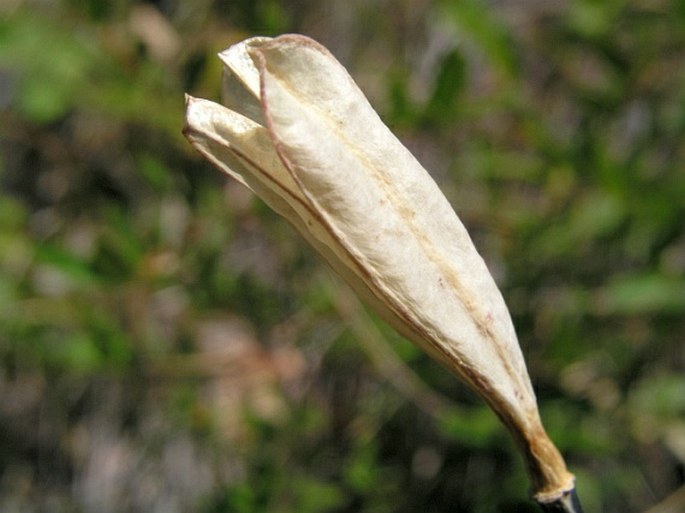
[282, 42]
[190, 101]
[238, 61]
[186, 125]
[198, 118]
[235, 53]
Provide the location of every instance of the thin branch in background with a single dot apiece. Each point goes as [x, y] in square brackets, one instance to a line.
[385, 359]
[674, 503]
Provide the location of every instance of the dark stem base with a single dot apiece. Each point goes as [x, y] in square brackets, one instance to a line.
[568, 503]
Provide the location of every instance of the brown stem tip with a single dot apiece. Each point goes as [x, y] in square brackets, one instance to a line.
[567, 503]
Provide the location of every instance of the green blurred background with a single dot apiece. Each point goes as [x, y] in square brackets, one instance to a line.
[167, 344]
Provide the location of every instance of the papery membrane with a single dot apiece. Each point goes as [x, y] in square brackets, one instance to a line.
[314, 149]
[240, 80]
[388, 213]
[242, 149]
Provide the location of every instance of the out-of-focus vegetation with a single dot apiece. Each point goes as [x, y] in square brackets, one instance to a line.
[168, 344]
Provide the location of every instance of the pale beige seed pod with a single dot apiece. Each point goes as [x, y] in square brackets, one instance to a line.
[297, 130]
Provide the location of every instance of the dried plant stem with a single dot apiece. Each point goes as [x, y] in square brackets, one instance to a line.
[568, 503]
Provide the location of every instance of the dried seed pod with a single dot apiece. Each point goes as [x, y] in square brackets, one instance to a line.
[297, 130]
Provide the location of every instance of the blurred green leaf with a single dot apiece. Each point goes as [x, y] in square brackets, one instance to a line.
[661, 396]
[121, 251]
[449, 85]
[643, 294]
[53, 64]
[314, 496]
[76, 353]
[155, 171]
[596, 215]
[241, 499]
[477, 427]
[361, 469]
[475, 20]
[594, 18]
[75, 269]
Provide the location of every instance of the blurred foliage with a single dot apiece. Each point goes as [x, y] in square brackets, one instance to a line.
[168, 344]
